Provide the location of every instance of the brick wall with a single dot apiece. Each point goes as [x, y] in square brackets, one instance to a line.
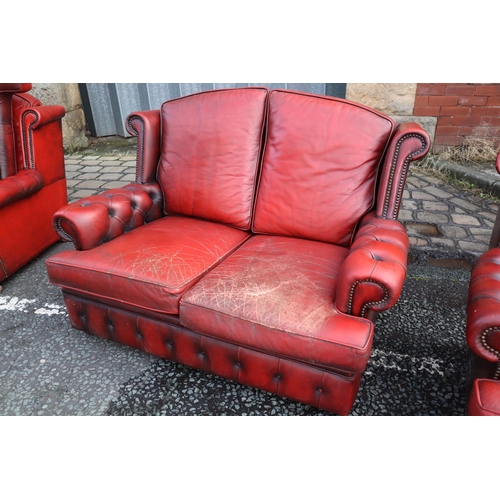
[463, 110]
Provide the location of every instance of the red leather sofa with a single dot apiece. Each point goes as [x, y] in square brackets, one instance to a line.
[258, 242]
[32, 177]
[483, 328]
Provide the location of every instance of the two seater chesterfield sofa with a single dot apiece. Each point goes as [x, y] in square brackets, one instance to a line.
[258, 242]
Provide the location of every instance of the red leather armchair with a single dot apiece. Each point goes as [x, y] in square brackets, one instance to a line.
[32, 177]
[483, 328]
[258, 242]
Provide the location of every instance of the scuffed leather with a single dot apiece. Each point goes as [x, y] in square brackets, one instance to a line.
[145, 125]
[211, 148]
[410, 142]
[483, 306]
[277, 294]
[150, 267]
[94, 220]
[19, 186]
[372, 275]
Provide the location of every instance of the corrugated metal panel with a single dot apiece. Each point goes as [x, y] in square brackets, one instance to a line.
[111, 103]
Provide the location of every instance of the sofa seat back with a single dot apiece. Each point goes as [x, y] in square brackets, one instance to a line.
[320, 166]
[210, 152]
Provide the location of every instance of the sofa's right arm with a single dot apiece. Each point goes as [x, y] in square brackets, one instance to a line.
[145, 125]
[94, 220]
[410, 142]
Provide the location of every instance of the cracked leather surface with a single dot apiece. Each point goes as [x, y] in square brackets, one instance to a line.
[277, 294]
[150, 267]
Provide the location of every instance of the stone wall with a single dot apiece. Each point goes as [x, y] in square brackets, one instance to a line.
[68, 96]
[394, 99]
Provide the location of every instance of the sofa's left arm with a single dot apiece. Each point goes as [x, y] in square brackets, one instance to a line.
[42, 141]
[371, 277]
[94, 220]
[145, 125]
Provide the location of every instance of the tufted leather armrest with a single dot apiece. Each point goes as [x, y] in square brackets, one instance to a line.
[483, 307]
[19, 186]
[94, 220]
[372, 276]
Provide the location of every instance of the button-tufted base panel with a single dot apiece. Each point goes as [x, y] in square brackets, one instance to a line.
[326, 390]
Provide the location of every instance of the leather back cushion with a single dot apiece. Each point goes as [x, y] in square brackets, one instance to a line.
[211, 147]
[320, 166]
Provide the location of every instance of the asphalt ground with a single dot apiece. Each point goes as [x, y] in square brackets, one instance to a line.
[417, 366]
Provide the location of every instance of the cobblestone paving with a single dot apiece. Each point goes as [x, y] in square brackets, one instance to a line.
[441, 217]
[438, 217]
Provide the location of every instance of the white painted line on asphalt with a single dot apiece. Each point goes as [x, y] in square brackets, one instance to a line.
[17, 304]
[392, 360]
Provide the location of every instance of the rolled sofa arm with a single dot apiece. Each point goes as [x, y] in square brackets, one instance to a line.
[372, 276]
[42, 141]
[94, 220]
[145, 125]
[409, 143]
[483, 307]
[22, 185]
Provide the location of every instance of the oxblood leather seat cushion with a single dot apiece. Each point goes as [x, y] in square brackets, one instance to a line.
[150, 267]
[210, 152]
[320, 166]
[485, 398]
[276, 294]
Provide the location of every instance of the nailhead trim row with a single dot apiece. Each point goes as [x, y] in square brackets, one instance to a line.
[30, 132]
[62, 231]
[134, 132]
[368, 304]
[404, 171]
[489, 348]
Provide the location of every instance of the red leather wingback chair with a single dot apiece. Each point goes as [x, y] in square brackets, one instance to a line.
[32, 178]
[483, 328]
